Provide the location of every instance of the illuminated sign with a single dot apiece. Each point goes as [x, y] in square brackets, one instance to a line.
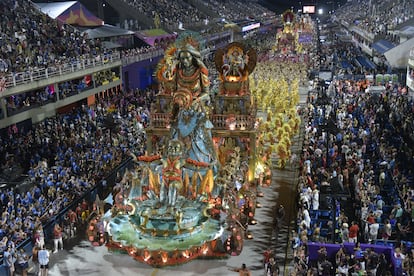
[308, 9]
[250, 27]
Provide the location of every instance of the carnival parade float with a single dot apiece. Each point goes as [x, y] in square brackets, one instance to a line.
[193, 195]
[287, 38]
[296, 36]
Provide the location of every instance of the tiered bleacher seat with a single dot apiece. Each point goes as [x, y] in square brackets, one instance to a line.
[325, 214]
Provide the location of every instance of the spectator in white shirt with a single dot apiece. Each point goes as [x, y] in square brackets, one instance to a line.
[315, 199]
[43, 257]
[373, 231]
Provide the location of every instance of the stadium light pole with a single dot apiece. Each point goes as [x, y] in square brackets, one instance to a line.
[320, 11]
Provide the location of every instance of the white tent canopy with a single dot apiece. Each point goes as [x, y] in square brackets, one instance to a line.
[56, 8]
[107, 31]
[398, 56]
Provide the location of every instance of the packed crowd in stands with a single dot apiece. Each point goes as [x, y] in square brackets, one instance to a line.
[376, 16]
[67, 155]
[24, 101]
[356, 147]
[169, 12]
[173, 13]
[140, 50]
[350, 60]
[32, 40]
[236, 10]
[39, 97]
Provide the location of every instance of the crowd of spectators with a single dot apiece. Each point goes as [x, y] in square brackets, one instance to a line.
[141, 50]
[39, 97]
[237, 10]
[376, 16]
[24, 101]
[28, 100]
[346, 57]
[67, 155]
[376, 23]
[356, 147]
[369, 155]
[170, 13]
[181, 14]
[31, 40]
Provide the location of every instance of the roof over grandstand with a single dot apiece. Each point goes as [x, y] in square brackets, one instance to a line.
[106, 31]
[398, 56]
[154, 36]
[154, 33]
[382, 46]
[70, 12]
[406, 28]
[407, 31]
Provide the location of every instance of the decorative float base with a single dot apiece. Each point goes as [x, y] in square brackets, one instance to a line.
[161, 258]
[167, 236]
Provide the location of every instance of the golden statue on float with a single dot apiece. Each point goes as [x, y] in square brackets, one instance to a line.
[235, 63]
[287, 40]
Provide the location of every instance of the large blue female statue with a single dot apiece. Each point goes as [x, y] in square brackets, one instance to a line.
[190, 115]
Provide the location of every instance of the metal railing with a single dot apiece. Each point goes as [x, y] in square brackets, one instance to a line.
[228, 121]
[15, 79]
[142, 56]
